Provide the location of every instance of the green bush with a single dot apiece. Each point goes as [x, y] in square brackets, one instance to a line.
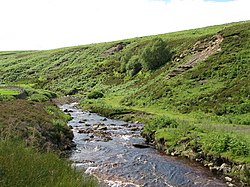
[133, 66]
[38, 98]
[160, 122]
[7, 97]
[155, 54]
[95, 95]
[226, 142]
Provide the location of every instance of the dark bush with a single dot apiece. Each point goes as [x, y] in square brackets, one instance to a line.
[133, 66]
[38, 98]
[95, 95]
[155, 54]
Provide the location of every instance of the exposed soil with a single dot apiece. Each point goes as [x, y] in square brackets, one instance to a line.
[200, 51]
[118, 47]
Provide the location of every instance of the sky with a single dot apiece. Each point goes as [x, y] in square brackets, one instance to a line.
[49, 24]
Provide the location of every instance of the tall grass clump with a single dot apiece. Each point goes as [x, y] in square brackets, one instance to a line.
[23, 166]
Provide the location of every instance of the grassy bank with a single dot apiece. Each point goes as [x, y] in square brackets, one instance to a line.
[23, 166]
[40, 124]
[33, 135]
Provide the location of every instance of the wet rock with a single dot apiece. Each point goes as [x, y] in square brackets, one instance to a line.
[210, 164]
[95, 126]
[134, 129]
[140, 145]
[228, 179]
[214, 169]
[82, 121]
[225, 168]
[205, 163]
[198, 159]
[70, 126]
[125, 125]
[106, 139]
[85, 139]
[80, 131]
[104, 119]
[91, 136]
[98, 126]
[175, 153]
[103, 128]
[67, 111]
[87, 125]
[86, 131]
[67, 147]
[230, 184]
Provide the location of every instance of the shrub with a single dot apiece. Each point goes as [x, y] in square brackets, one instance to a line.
[160, 122]
[226, 142]
[38, 98]
[155, 54]
[7, 97]
[95, 95]
[133, 66]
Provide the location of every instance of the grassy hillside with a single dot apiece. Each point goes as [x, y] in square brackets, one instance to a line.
[195, 84]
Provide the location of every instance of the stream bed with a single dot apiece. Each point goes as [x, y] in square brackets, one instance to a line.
[114, 152]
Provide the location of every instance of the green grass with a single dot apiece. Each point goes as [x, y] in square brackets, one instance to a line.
[24, 166]
[4, 91]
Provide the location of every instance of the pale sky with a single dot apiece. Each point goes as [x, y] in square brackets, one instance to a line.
[48, 24]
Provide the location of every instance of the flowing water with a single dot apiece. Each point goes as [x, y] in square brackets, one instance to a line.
[115, 153]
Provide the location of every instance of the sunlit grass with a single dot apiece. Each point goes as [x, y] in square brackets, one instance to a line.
[23, 166]
[6, 91]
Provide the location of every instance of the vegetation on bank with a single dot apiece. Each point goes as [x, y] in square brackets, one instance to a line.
[41, 125]
[23, 166]
[198, 78]
[32, 136]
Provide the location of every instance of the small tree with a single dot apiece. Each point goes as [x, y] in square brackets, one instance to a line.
[155, 54]
[133, 66]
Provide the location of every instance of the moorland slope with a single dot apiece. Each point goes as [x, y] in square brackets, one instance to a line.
[191, 88]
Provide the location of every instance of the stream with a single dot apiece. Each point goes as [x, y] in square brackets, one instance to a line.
[115, 153]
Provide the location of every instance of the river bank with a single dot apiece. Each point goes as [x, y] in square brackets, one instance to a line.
[221, 148]
[197, 144]
[234, 174]
[33, 144]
